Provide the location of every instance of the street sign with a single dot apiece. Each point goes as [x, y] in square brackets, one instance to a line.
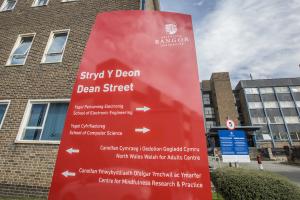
[134, 128]
[230, 124]
[234, 146]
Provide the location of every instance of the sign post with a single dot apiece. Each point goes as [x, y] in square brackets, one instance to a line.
[134, 128]
[234, 146]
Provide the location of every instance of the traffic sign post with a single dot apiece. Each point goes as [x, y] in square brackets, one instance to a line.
[131, 132]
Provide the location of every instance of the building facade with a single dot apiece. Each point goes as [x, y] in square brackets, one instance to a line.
[270, 105]
[41, 45]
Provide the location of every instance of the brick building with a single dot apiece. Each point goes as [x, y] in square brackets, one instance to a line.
[41, 45]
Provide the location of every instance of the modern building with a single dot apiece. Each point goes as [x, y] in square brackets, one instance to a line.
[267, 109]
[272, 104]
[41, 45]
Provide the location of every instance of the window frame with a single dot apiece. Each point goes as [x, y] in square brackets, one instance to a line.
[3, 4]
[8, 103]
[16, 45]
[49, 42]
[26, 117]
[35, 2]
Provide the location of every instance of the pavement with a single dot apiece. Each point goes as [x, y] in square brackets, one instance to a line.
[289, 171]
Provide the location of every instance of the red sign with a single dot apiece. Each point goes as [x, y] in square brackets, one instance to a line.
[134, 128]
[230, 124]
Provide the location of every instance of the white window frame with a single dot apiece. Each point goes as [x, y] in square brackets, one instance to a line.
[16, 45]
[50, 40]
[3, 4]
[8, 103]
[34, 3]
[26, 118]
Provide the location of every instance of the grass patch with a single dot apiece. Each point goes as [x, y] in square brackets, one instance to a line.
[217, 196]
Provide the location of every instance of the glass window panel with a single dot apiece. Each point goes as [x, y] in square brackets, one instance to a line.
[3, 108]
[266, 90]
[292, 119]
[55, 121]
[295, 89]
[206, 99]
[41, 2]
[58, 43]
[19, 55]
[294, 130]
[289, 112]
[259, 120]
[295, 136]
[279, 132]
[32, 134]
[268, 97]
[287, 104]
[257, 113]
[285, 97]
[37, 115]
[55, 51]
[255, 105]
[297, 96]
[270, 104]
[251, 91]
[282, 90]
[8, 5]
[253, 98]
[298, 103]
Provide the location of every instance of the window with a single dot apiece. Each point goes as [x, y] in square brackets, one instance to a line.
[68, 0]
[266, 90]
[251, 90]
[8, 5]
[292, 119]
[255, 105]
[282, 90]
[271, 104]
[43, 121]
[21, 50]
[206, 99]
[40, 3]
[298, 104]
[295, 89]
[209, 124]
[259, 120]
[209, 112]
[3, 110]
[275, 120]
[287, 104]
[55, 47]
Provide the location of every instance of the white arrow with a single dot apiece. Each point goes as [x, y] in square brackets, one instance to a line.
[67, 174]
[142, 130]
[145, 109]
[71, 150]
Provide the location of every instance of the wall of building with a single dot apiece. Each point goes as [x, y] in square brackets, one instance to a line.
[223, 98]
[26, 169]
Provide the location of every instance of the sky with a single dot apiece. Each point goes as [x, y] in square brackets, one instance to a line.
[243, 37]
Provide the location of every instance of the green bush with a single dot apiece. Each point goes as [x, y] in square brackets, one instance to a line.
[243, 184]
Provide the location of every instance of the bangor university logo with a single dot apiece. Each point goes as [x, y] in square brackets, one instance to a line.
[171, 28]
[172, 37]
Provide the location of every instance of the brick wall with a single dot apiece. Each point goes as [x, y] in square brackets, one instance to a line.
[26, 169]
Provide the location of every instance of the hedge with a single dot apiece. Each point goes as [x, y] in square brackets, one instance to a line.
[244, 184]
